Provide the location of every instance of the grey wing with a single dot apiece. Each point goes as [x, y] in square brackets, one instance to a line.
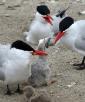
[2, 75]
[80, 44]
[80, 40]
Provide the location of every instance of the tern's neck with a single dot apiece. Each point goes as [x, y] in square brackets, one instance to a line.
[68, 39]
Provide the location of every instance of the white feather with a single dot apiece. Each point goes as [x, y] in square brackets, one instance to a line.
[39, 29]
[74, 35]
[15, 64]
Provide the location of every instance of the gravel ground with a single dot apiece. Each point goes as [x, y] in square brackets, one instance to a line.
[15, 16]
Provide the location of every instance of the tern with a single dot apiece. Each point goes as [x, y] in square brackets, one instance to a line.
[15, 61]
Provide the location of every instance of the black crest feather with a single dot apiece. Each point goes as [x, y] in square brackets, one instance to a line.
[43, 10]
[66, 23]
[21, 45]
[62, 13]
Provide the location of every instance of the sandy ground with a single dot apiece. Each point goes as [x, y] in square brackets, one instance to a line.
[70, 83]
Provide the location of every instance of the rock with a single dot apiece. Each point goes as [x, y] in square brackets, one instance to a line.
[81, 13]
[77, 0]
[10, 8]
[52, 1]
[71, 85]
[52, 93]
[7, 15]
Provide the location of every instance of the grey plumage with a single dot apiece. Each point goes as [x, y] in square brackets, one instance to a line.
[40, 72]
[80, 44]
[2, 75]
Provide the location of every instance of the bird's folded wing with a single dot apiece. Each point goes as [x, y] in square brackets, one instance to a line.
[80, 44]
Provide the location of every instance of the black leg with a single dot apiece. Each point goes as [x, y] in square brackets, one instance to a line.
[18, 90]
[81, 66]
[8, 91]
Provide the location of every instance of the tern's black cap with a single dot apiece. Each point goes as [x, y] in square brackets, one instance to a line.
[21, 45]
[43, 10]
[66, 23]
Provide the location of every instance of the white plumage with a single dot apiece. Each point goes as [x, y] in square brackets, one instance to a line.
[74, 37]
[14, 64]
[39, 29]
[55, 22]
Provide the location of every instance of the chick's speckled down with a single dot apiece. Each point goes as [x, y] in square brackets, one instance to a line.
[40, 71]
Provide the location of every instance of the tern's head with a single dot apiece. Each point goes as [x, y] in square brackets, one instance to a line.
[43, 14]
[66, 23]
[25, 47]
[63, 26]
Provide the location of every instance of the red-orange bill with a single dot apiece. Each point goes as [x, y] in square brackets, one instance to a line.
[40, 53]
[48, 19]
[58, 36]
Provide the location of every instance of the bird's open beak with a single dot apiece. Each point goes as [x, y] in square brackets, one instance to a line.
[40, 53]
[58, 36]
[48, 19]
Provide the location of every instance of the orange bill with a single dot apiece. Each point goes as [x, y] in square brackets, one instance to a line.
[40, 53]
[48, 19]
[58, 36]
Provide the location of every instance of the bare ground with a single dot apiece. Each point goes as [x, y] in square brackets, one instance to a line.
[70, 83]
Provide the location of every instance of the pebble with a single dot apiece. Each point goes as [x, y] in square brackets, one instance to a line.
[10, 8]
[71, 85]
[81, 13]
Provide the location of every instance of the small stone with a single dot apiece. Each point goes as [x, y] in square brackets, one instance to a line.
[52, 1]
[58, 96]
[25, 2]
[71, 63]
[52, 93]
[71, 85]
[10, 8]
[7, 15]
[81, 13]
[77, 0]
